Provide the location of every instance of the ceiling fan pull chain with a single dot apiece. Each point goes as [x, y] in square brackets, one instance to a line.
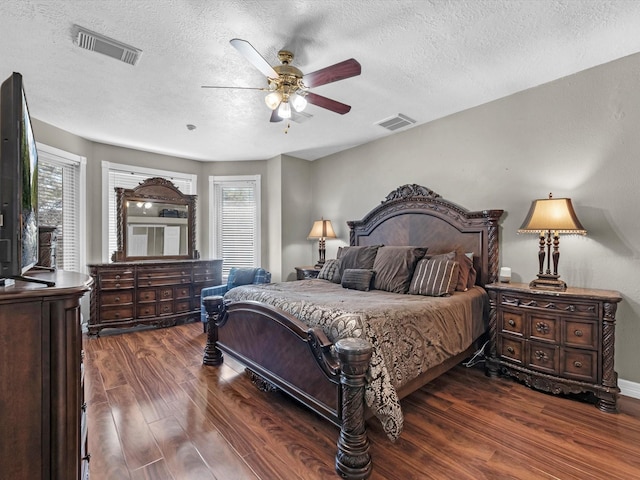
[286, 130]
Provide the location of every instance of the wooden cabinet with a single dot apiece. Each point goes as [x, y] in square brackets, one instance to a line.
[158, 292]
[559, 342]
[303, 273]
[43, 415]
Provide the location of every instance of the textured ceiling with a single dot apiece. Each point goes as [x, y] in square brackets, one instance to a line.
[424, 59]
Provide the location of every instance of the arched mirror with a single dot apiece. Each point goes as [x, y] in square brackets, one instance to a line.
[155, 221]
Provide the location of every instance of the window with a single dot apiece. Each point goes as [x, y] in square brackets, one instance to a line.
[127, 176]
[235, 231]
[61, 194]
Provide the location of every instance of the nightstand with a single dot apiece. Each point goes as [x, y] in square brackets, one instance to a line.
[559, 342]
[304, 273]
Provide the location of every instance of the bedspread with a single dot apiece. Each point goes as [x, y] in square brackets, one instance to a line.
[409, 333]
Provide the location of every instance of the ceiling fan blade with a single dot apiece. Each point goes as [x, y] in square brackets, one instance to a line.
[339, 71]
[327, 103]
[274, 116]
[234, 88]
[251, 54]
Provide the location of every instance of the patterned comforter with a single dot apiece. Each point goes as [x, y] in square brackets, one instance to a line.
[410, 333]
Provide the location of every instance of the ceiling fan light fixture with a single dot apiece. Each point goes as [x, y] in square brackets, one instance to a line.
[298, 102]
[284, 111]
[273, 99]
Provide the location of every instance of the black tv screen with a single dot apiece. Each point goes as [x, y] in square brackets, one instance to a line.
[18, 182]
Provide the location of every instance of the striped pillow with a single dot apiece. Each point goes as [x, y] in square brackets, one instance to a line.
[357, 279]
[435, 277]
[330, 271]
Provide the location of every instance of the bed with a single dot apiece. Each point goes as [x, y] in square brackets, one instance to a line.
[353, 353]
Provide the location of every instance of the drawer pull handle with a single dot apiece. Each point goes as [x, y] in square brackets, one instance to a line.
[541, 356]
[532, 303]
[117, 277]
[542, 327]
[577, 364]
[117, 285]
[578, 333]
[510, 350]
[511, 323]
[117, 315]
[149, 282]
[117, 299]
[84, 407]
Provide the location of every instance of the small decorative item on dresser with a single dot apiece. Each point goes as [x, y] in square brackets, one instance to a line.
[303, 273]
[559, 342]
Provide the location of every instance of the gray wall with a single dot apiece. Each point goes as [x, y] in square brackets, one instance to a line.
[576, 137]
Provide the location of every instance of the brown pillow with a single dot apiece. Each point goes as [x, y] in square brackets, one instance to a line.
[357, 257]
[357, 279]
[330, 271]
[394, 267]
[466, 265]
[435, 277]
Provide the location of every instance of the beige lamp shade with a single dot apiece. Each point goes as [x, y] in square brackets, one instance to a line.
[321, 229]
[552, 214]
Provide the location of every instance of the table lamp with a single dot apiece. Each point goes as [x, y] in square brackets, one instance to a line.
[321, 230]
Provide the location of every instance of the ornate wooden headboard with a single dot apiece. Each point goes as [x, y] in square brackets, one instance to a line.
[416, 216]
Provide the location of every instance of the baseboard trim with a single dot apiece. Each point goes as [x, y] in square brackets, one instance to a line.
[629, 389]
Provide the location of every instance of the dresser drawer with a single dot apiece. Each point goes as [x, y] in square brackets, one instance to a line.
[160, 281]
[118, 298]
[147, 295]
[550, 304]
[165, 293]
[511, 349]
[580, 364]
[183, 292]
[183, 306]
[123, 313]
[117, 284]
[146, 310]
[544, 358]
[165, 308]
[116, 275]
[580, 334]
[544, 328]
[512, 322]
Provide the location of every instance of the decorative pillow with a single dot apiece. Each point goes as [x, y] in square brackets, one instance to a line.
[357, 257]
[330, 271]
[466, 265]
[241, 276]
[357, 279]
[394, 267]
[436, 277]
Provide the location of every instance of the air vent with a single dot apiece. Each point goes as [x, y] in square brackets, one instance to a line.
[394, 123]
[107, 46]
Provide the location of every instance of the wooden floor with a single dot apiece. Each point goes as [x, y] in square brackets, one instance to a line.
[155, 412]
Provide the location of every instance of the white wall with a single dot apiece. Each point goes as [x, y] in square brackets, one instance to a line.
[576, 137]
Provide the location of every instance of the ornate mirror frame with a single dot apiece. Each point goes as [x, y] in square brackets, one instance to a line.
[152, 191]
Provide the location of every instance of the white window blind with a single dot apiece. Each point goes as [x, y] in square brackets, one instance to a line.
[61, 187]
[126, 176]
[236, 221]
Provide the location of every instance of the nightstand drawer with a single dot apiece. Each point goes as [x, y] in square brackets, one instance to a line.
[551, 304]
[580, 334]
[511, 349]
[512, 322]
[545, 328]
[580, 364]
[544, 358]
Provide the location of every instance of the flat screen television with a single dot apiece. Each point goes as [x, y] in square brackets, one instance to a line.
[18, 183]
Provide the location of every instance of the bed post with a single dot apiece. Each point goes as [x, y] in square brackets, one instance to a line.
[214, 305]
[353, 460]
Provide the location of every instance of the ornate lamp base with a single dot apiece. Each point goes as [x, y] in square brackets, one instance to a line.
[548, 282]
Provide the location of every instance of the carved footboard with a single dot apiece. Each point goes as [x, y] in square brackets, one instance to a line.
[280, 352]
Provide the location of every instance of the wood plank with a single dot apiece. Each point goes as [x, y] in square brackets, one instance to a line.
[107, 457]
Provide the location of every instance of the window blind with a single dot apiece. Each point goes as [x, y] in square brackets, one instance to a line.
[59, 182]
[236, 222]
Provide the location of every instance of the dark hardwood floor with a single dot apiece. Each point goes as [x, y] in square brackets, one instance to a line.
[155, 412]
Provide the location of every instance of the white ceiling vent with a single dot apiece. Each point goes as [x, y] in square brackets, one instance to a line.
[107, 46]
[394, 123]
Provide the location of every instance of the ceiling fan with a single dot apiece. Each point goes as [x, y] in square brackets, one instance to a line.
[289, 88]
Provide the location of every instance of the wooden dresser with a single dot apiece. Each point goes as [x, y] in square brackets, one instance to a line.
[150, 292]
[559, 342]
[42, 408]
